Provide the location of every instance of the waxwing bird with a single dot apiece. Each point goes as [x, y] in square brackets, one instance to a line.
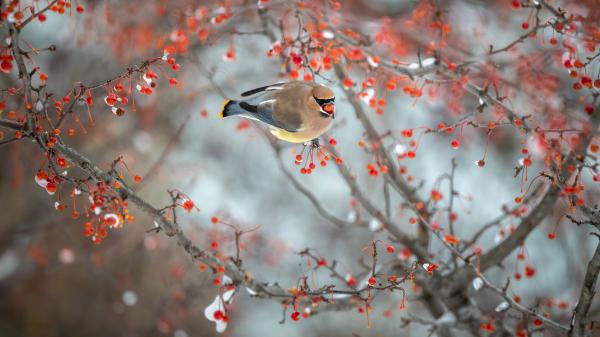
[295, 111]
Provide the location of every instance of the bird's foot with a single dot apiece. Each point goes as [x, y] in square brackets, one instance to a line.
[315, 144]
[312, 154]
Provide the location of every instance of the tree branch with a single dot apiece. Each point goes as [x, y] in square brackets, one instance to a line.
[7, 123]
[307, 193]
[407, 192]
[541, 210]
[580, 313]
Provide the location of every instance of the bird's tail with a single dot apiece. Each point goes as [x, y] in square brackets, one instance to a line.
[230, 108]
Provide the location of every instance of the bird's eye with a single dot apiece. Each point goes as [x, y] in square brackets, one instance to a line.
[328, 107]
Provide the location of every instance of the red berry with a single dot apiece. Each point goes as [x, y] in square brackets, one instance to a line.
[51, 187]
[295, 316]
[525, 25]
[188, 205]
[110, 99]
[348, 83]
[61, 162]
[218, 315]
[529, 271]
[6, 66]
[587, 81]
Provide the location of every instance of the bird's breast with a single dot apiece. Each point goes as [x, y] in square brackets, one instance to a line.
[305, 133]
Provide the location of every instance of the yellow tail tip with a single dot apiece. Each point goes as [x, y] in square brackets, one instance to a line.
[223, 108]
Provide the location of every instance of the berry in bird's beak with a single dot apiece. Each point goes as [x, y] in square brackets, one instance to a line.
[329, 109]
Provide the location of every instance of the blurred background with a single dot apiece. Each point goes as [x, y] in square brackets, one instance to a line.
[56, 282]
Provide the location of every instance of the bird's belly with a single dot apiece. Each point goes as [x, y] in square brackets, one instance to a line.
[300, 136]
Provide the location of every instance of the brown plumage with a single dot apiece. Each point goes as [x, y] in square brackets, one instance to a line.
[295, 111]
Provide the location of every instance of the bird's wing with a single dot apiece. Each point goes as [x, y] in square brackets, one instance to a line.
[276, 86]
[263, 101]
[265, 112]
[291, 109]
